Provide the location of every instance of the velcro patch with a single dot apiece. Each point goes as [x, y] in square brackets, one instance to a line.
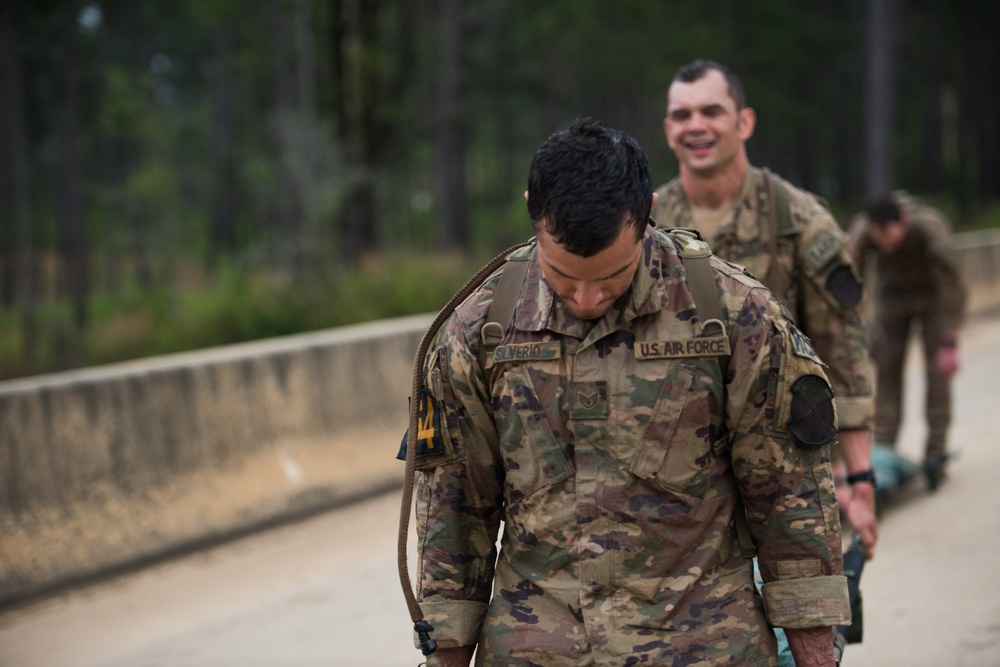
[813, 420]
[430, 438]
[844, 286]
[692, 247]
[525, 352]
[588, 400]
[711, 346]
[823, 247]
[801, 345]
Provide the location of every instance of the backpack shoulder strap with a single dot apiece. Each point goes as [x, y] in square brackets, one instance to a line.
[501, 310]
[696, 257]
[778, 201]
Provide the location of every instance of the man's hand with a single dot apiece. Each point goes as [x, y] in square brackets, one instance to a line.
[811, 647]
[946, 360]
[861, 515]
[856, 451]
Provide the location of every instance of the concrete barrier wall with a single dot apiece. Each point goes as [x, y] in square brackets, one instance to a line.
[109, 467]
[980, 260]
[112, 467]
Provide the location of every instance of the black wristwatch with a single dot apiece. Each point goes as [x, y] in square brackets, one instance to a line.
[863, 476]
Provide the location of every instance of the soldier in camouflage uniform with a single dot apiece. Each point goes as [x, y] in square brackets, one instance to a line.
[919, 285]
[604, 435]
[786, 238]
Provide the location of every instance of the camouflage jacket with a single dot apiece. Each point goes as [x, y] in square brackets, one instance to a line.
[924, 272]
[808, 267]
[615, 454]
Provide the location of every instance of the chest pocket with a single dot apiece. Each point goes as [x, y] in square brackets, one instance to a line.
[530, 429]
[675, 451]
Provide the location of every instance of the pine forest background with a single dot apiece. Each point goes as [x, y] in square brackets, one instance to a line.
[185, 174]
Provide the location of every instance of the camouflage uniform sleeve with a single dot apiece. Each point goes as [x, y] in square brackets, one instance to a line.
[459, 492]
[858, 244]
[945, 271]
[830, 310]
[783, 424]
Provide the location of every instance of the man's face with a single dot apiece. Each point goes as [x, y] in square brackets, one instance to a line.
[589, 286]
[702, 125]
[889, 236]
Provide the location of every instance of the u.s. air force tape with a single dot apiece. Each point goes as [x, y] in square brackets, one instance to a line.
[813, 420]
[713, 346]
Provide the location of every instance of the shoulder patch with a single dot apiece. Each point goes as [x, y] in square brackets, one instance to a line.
[844, 286]
[430, 437]
[822, 247]
[801, 346]
[813, 420]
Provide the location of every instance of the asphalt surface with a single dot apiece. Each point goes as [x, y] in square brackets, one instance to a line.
[325, 591]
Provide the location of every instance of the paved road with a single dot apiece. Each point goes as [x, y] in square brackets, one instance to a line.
[325, 591]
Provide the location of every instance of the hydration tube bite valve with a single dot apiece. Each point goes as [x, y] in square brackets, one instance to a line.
[423, 630]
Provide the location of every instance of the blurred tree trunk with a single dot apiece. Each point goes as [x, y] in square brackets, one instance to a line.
[929, 172]
[135, 214]
[848, 134]
[989, 163]
[373, 62]
[305, 57]
[883, 22]
[68, 196]
[353, 35]
[984, 100]
[16, 186]
[450, 130]
[9, 91]
[222, 224]
[286, 123]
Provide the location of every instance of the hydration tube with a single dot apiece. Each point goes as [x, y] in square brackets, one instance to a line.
[423, 629]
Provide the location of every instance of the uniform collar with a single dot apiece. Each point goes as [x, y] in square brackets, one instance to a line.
[677, 207]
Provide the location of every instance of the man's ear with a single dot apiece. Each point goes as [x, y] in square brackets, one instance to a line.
[656, 198]
[747, 123]
[525, 195]
[666, 131]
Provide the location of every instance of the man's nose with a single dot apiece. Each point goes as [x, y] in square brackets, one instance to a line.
[696, 122]
[588, 296]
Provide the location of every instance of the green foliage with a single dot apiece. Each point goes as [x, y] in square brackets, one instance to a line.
[232, 305]
[271, 137]
[988, 219]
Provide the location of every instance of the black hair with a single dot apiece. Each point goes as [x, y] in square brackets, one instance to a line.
[884, 210]
[586, 184]
[696, 69]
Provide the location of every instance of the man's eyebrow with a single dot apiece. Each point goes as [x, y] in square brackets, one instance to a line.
[607, 277]
[707, 107]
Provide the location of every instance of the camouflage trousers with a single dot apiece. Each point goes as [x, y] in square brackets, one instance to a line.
[894, 326]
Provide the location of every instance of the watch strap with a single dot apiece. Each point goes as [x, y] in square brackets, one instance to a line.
[863, 476]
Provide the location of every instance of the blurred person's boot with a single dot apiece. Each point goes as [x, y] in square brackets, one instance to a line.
[935, 470]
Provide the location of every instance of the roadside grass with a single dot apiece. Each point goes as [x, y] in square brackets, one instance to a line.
[228, 306]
